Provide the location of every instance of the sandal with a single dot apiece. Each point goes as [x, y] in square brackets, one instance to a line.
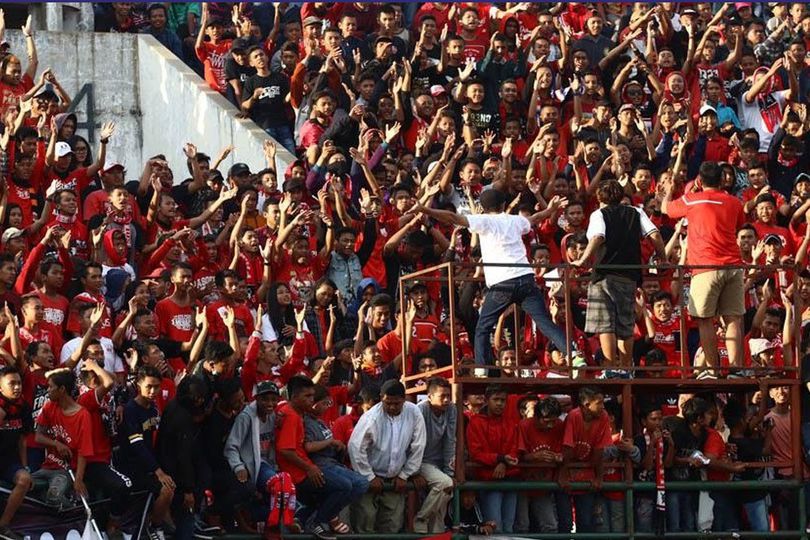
[339, 527]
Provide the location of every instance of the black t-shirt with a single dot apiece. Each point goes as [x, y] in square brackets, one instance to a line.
[685, 444]
[234, 70]
[270, 110]
[749, 450]
[17, 423]
[216, 431]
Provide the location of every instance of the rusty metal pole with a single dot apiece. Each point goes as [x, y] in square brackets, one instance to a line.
[458, 387]
[682, 326]
[568, 319]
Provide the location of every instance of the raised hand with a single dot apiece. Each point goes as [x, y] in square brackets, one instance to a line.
[107, 130]
[190, 150]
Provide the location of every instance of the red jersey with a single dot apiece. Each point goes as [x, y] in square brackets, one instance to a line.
[290, 436]
[716, 446]
[176, 323]
[584, 441]
[73, 325]
[217, 329]
[101, 442]
[10, 94]
[56, 310]
[764, 229]
[27, 337]
[213, 58]
[667, 338]
[714, 219]
[531, 440]
[75, 431]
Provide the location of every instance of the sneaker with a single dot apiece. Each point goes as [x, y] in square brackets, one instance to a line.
[156, 533]
[7, 534]
[322, 533]
[203, 527]
[705, 375]
[616, 374]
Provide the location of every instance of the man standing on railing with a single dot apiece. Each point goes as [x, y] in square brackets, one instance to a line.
[615, 232]
[714, 218]
[501, 239]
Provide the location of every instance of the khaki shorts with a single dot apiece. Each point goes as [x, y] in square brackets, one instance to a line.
[717, 292]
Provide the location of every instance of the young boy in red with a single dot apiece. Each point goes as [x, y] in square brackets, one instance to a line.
[540, 442]
[492, 443]
[587, 434]
[65, 429]
[663, 330]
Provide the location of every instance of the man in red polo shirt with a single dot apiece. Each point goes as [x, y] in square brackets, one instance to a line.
[714, 218]
[322, 501]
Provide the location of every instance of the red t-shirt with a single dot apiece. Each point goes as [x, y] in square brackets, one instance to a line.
[101, 442]
[666, 338]
[53, 321]
[73, 325]
[390, 345]
[76, 180]
[75, 431]
[217, 329]
[213, 58]
[585, 441]
[10, 95]
[714, 219]
[290, 436]
[715, 446]
[531, 439]
[176, 323]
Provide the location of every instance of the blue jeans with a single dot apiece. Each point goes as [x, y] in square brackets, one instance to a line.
[342, 487]
[757, 513]
[681, 511]
[500, 507]
[522, 291]
[584, 505]
[283, 135]
[266, 472]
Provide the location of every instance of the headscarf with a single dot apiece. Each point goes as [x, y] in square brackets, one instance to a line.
[116, 259]
[683, 98]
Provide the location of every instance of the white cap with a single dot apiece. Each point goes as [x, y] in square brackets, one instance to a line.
[760, 345]
[63, 149]
[707, 108]
[110, 164]
[12, 232]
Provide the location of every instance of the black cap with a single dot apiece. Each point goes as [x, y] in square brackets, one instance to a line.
[46, 92]
[266, 387]
[392, 388]
[416, 285]
[238, 169]
[240, 44]
[772, 239]
[215, 21]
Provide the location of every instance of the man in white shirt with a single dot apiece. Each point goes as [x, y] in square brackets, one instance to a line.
[386, 446]
[89, 315]
[501, 240]
[614, 234]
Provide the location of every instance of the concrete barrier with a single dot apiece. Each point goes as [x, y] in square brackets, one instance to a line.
[158, 103]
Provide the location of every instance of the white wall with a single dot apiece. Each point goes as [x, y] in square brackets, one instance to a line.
[158, 103]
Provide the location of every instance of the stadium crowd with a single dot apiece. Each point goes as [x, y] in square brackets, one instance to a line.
[232, 340]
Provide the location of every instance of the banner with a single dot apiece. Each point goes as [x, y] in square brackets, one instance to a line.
[40, 521]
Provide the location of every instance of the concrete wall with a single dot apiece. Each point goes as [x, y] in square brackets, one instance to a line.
[156, 101]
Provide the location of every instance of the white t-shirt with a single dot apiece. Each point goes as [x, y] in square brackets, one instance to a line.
[269, 333]
[596, 224]
[501, 240]
[764, 121]
[112, 362]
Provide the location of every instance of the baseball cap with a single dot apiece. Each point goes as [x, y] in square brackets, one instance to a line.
[266, 387]
[437, 90]
[110, 165]
[627, 107]
[742, 5]
[239, 44]
[803, 177]
[215, 21]
[416, 285]
[11, 233]
[760, 345]
[312, 19]
[46, 92]
[238, 169]
[689, 11]
[63, 149]
[707, 109]
[772, 239]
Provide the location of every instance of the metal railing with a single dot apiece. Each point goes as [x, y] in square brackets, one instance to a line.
[451, 274]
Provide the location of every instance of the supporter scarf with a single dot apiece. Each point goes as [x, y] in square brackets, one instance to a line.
[660, 512]
[253, 268]
[789, 163]
[124, 219]
[62, 219]
[116, 259]
[683, 98]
